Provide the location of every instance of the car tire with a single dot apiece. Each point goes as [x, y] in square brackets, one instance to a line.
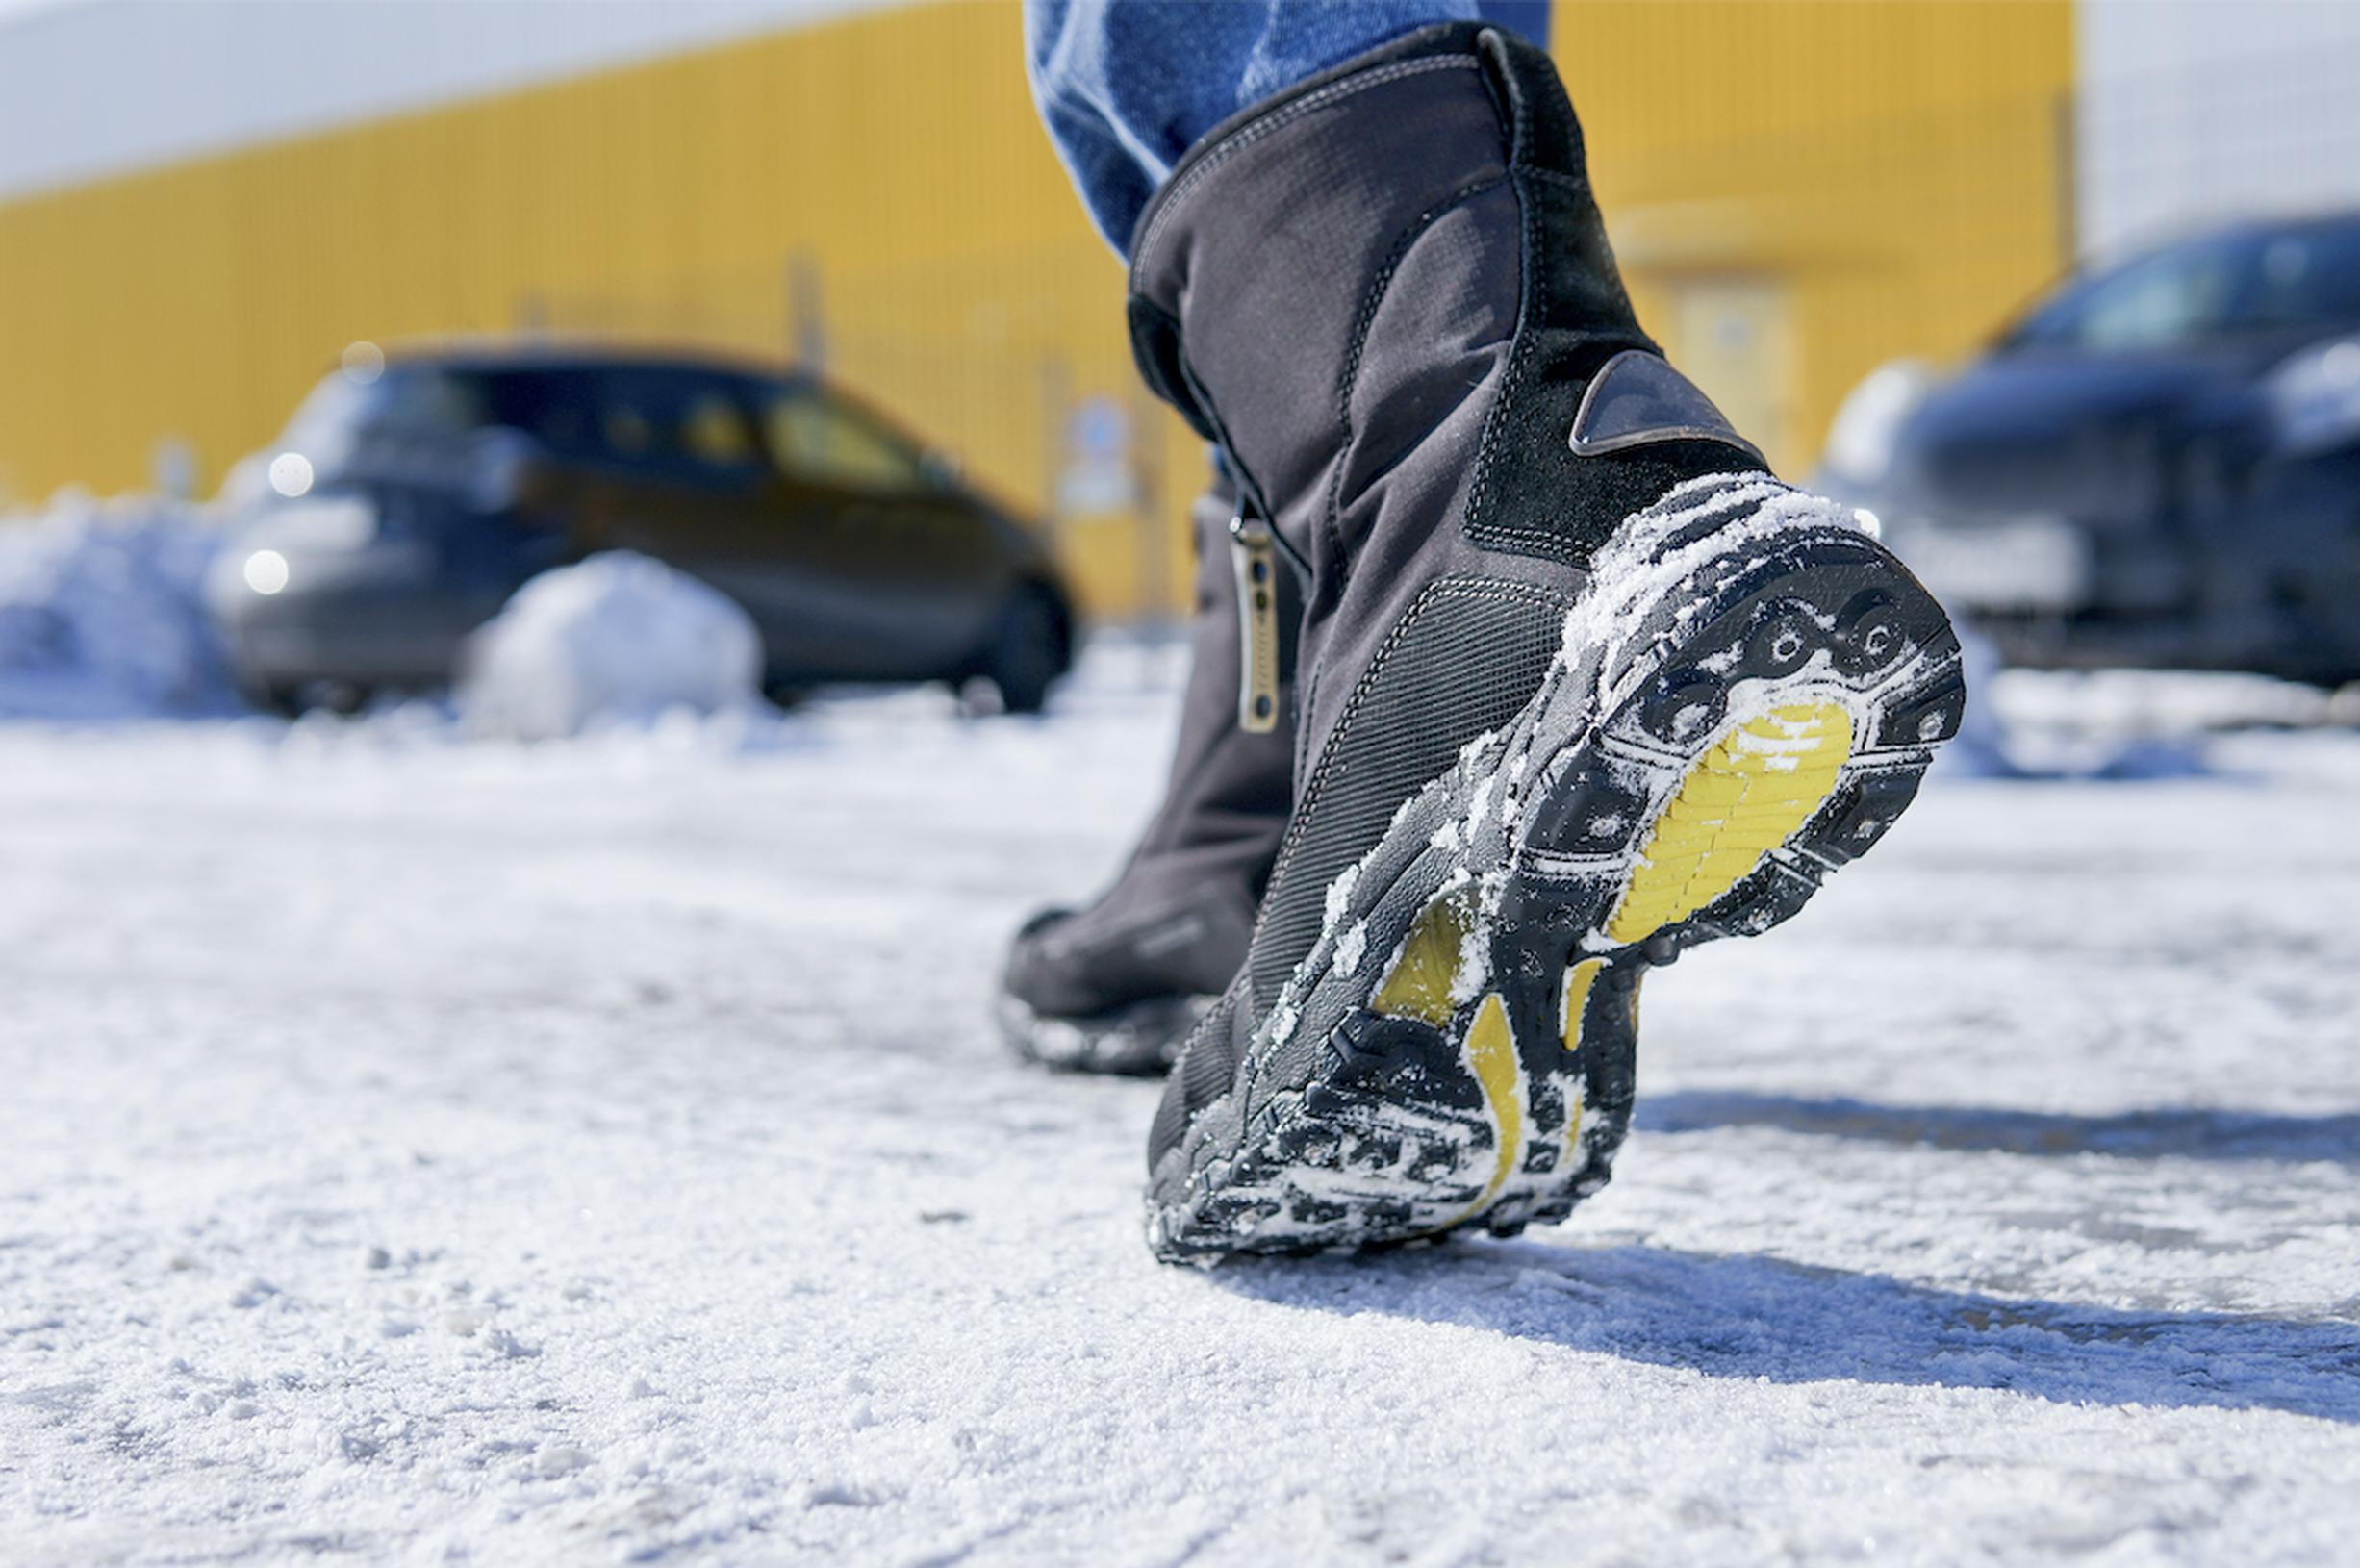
[1028, 652]
[270, 698]
[294, 700]
[342, 697]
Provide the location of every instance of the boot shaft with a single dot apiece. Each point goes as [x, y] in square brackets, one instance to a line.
[1367, 268]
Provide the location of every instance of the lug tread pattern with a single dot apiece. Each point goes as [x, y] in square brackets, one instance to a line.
[1398, 1134]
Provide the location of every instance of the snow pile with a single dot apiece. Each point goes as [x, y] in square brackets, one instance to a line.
[2148, 704]
[2120, 725]
[617, 639]
[101, 615]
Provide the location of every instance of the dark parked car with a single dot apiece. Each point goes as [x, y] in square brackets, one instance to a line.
[407, 501]
[2157, 465]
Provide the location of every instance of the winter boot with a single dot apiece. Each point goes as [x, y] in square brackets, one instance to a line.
[1581, 684]
[1116, 987]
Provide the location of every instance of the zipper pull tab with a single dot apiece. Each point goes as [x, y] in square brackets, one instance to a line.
[1254, 558]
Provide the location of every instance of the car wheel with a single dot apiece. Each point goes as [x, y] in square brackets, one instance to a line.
[342, 697]
[1028, 652]
[286, 702]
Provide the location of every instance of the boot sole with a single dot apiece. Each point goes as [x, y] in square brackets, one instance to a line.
[1138, 1041]
[1458, 1049]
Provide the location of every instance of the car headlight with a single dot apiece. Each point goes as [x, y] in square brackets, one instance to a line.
[1860, 442]
[291, 475]
[2315, 397]
[266, 573]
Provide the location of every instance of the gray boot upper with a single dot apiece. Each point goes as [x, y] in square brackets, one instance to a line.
[1386, 294]
[1176, 921]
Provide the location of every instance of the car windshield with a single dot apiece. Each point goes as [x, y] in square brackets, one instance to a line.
[433, 404]
[411, 401]
[2258, 280]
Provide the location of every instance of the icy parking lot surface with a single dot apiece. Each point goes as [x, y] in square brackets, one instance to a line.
[428, 1153]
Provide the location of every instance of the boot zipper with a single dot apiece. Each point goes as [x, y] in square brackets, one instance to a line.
[1254, 551]
[1254, 558]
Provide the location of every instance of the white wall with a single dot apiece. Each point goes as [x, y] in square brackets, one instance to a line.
[91, 87]
[2196, 110]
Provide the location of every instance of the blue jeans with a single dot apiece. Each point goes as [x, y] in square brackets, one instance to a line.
[1126, 87]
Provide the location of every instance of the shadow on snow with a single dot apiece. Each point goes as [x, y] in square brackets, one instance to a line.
[1750, 1317]
[2192, 1133]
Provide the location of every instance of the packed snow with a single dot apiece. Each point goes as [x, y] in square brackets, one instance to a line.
[418, 1150]
[619, 638]
[100, 612]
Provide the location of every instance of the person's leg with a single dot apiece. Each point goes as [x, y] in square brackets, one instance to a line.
[1127, 86]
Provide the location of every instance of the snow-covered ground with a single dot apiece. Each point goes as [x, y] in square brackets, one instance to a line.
[423, 1152]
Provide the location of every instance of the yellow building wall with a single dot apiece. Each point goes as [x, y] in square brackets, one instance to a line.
[1852, 180]
[893, 157]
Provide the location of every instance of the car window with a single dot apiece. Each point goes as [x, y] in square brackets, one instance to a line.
[678, 420]
[2305, 276]
[2170, 300]
[628, 429]
[554, 407]
[816, 439]
[2308, 277]
[714, 433]
[2158, 300]
[407, 400]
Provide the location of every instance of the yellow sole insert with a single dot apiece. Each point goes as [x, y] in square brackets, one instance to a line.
[1491, 1049]
[1492, 1052]
[1760, 782]
[1419, 985]
[1576, 1004]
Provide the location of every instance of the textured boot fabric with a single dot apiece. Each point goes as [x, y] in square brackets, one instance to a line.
[1115, 986]
[1387, 295]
